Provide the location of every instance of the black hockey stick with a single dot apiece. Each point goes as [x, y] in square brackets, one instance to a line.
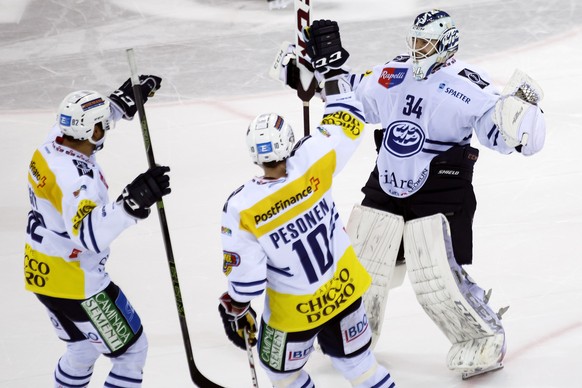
[197, 377]
[307, 83]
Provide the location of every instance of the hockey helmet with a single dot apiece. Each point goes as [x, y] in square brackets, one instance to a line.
[80, 111]
[432, 40]
[269, 138]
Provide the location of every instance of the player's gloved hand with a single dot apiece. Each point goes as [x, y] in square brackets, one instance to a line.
[324, 46]
[145, 190]
[236, 318]
[124, 98]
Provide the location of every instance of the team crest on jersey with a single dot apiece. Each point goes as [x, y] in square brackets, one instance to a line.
[474, 77]
[391, 77]
[230, 260]
[404, 138]
[226, 231]
[83, 168]
[78, 191]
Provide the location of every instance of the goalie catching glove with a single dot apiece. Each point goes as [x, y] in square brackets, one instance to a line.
[145, 190]
[517, 115]
[236, 318]
[125, 99]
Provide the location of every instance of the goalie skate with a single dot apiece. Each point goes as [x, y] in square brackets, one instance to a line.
[376, 236]
[454, 302]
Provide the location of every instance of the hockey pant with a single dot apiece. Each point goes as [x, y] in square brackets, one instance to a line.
[90, 332]
[345, 339]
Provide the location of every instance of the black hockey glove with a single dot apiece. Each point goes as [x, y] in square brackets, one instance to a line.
[236, 318]
[124, 98]
[324, 46]
[145, 190]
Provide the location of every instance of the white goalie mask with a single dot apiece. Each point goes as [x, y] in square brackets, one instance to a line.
[432, 40]
[80, 111]
[269, 138]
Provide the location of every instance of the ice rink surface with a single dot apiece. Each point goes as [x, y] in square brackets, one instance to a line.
[214, 57]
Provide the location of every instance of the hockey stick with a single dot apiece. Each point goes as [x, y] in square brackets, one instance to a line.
[307, 83]
[197, 377]
[251, 360]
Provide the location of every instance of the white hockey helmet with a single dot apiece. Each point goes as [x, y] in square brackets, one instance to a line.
[269, 138]
[432, 40]
[80, 111]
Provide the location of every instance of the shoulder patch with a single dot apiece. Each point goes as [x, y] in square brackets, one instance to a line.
[401, 58]
[225, 207]
[474, 77]
[83, 168]
[298, 144]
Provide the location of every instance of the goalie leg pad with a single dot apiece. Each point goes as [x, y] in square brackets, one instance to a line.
[450, 297]
[376, 237]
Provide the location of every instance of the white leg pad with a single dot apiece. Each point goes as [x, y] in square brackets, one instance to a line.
[451, 298]
[376, 236]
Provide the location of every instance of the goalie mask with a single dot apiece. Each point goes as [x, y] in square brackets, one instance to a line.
[269, 138]
[432, 40]
[80, 111]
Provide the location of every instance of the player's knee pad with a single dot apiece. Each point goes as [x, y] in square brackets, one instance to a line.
[296, 379]
[450, 297]
[376, 237]
[127, 370]
[75, 367]
[363, 371]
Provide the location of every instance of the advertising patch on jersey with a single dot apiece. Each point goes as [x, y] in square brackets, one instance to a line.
[351, 125]
[230, 260]
[83, 168]
[226, 231]
[272, 349]
[108, 321]
[128, 312]
[403, 138]
[474, 77]
[264, 148]
[355, 330]
[83, 209]
[391, 77]
[297, 354]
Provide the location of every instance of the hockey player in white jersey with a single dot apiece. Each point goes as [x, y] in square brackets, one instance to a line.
[282, 235]
[430, 104]
[72, 223]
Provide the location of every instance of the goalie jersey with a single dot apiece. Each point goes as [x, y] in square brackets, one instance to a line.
[422, 119]
[285, 236]
[70, 225]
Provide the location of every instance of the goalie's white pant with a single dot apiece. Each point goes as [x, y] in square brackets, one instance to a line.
[450, 297]
[75, 367]
[362, 371]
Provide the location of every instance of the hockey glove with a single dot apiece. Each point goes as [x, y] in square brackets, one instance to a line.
[145, 190]
[236, 318]
[124, 98]
[324, 46]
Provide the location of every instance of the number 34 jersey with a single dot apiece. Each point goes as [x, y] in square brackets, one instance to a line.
[285, 236]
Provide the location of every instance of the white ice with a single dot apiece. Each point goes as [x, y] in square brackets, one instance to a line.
[214, 57]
